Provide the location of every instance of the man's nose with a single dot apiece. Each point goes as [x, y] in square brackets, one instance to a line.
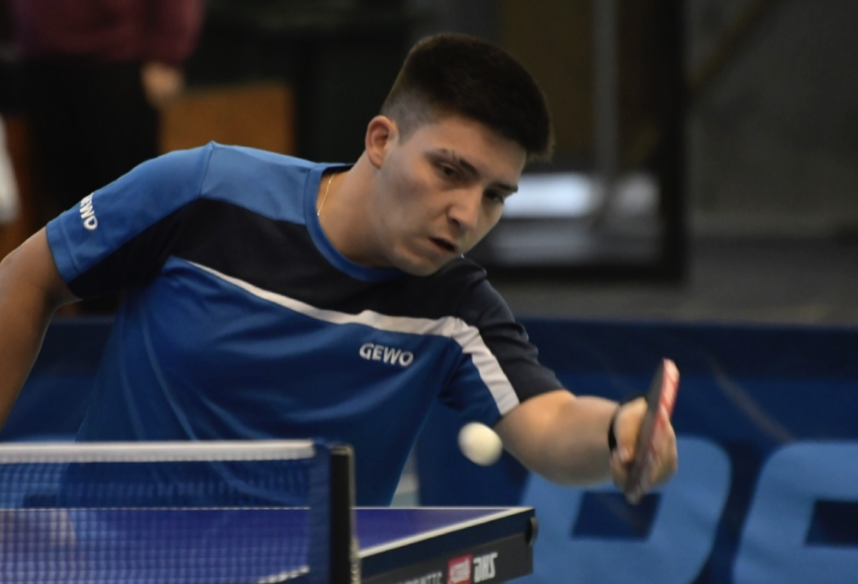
[465, 209]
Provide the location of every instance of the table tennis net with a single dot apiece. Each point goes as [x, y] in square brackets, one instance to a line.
[165, 512]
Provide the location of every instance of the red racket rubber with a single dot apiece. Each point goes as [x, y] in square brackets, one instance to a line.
[660, 399]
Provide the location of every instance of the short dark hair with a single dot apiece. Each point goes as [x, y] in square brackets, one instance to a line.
[453, 73]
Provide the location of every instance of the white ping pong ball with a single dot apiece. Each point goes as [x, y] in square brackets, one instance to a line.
[480, 444]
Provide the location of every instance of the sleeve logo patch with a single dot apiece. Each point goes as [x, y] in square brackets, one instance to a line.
[87, 213]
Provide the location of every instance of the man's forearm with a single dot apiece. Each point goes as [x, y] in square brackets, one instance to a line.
[563, 438]
[28, 299]
[20, 340]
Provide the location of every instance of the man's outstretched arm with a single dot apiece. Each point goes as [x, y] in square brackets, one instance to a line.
[564, 438]
[31, 289]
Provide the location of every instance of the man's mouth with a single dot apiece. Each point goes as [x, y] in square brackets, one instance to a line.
[443, 244]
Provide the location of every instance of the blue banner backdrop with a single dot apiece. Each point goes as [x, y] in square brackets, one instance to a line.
[767, 419]
[767, 491]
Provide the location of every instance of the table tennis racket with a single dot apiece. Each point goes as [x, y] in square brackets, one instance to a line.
[660, 399]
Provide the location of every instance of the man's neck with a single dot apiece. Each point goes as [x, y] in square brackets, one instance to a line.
[344, 216]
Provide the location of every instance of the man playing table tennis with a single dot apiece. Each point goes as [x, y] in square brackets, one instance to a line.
[272, 297]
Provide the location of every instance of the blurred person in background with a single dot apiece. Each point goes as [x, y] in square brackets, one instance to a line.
[9, 196]
[94, 73]
[8, 188]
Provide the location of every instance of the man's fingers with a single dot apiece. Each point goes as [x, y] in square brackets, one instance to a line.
[666, 457]
[619, 470]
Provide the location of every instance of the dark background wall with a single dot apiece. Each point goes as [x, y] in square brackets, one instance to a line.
[768, 198]
[771, 184]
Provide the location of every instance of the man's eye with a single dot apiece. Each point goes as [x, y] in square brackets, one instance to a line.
[448, 171]
[495, 197]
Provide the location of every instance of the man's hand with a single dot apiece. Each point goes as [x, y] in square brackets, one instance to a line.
[627, 424]
[161, 82]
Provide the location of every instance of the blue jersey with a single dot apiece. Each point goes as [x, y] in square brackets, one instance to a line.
[240, 320]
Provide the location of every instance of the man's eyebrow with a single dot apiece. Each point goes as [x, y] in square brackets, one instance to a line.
[471, 169]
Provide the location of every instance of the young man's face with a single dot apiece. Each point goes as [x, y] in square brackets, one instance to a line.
[441, 190]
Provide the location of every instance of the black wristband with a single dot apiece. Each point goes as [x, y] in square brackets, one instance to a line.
[612, 436]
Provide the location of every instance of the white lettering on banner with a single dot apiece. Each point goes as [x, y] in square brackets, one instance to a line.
[773, 545]
[676, 548]
[389, 355]
[87, 213]
[484, 567]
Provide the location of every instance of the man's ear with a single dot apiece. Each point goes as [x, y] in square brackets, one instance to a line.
[381, 132]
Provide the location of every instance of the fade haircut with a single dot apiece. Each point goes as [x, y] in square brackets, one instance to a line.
[451, 73]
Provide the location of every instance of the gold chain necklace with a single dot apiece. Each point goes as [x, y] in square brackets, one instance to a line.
[325, 196]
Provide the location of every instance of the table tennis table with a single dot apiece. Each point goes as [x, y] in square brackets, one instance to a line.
[416, 545]
[438, 546]
[129, 527]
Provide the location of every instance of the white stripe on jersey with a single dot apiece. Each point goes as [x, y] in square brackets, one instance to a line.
[467, 336]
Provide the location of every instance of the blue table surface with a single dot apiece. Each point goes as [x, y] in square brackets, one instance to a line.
[202, 541]
[386, 526]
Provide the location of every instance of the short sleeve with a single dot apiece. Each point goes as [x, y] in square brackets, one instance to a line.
[120, 235]
[499, 366]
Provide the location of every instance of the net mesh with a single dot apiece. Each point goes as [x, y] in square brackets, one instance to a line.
[81, 514]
